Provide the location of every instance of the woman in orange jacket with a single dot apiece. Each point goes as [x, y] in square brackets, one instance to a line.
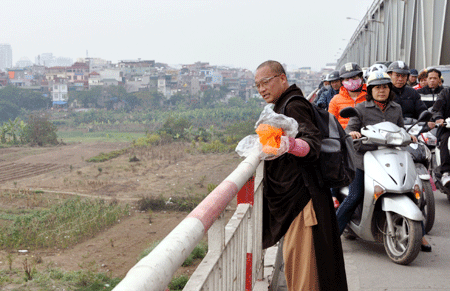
[352, 92]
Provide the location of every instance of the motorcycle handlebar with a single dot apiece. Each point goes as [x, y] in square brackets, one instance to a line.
[360, 139]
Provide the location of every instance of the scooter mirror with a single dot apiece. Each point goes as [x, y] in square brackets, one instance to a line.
[425, 116]
[348, 112]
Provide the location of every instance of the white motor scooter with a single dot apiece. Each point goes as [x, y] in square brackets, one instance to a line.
[389, 213]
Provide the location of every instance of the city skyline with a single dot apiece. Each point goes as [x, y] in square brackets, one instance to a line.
[230, 33]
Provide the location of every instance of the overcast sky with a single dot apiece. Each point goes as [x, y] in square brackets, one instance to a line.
[238, 33]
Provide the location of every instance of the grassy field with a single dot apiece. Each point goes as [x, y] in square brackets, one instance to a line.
[47, 221]
[54, 224]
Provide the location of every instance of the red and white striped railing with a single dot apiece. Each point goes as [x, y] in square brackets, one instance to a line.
[235, 258]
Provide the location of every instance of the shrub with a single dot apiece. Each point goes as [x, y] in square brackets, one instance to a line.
[150, 139]
[153, 139]
[239, 130]
[151, 203]
[178, 283]
[175, 203]
[102, 157]
[215, 146]
[175, 126]
[199, 252]
[40, 131]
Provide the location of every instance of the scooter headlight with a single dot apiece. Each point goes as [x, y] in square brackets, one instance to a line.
[394, 138]
[378, 190]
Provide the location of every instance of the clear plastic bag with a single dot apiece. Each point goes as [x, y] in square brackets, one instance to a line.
[251, 143]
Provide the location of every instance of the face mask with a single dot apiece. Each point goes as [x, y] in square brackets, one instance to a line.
[352, 85]
[328, 87]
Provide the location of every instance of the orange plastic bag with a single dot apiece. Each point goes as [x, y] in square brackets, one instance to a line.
[270, 138]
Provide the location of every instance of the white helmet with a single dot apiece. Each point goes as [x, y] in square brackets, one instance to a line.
[377, 68]
[378, 78]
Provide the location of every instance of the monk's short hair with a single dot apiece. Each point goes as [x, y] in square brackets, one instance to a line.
[275, 66]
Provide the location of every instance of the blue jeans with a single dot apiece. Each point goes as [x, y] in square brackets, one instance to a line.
[351, 202]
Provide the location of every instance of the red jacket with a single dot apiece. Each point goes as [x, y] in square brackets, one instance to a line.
[342, 100]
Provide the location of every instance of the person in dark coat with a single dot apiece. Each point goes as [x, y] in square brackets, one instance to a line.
[412, 79]
[336, 83]
[407, 97]
[430, 92]
[441, 111]
[295, 206]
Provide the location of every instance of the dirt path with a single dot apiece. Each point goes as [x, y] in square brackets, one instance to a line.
[167, 171]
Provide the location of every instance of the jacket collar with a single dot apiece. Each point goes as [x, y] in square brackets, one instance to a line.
[398, 91]
[293, 90]
[372, 104]
[344, 92]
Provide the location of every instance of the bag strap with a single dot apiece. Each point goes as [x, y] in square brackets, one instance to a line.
[289, 100]
[306, 176]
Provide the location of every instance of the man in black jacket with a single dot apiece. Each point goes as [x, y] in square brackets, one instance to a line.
[441, 110]
[295, 205]
[430, 92]
[407, 97]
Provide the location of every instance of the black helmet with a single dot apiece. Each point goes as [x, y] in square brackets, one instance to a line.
[333, 76]
[349, 70]
[398, 67]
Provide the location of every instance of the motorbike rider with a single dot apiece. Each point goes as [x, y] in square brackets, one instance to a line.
[323, 87]
[380, 106]
[412, 79]
[335, 83]
[422, 80]
[430, 92]
[441, 111]
[352, 92]
[405, 96]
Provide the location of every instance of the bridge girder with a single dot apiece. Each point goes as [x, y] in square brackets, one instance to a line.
[414, 31]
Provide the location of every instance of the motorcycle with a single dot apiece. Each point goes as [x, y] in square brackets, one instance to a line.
[422, 156]
[436, 163]
[390, 212]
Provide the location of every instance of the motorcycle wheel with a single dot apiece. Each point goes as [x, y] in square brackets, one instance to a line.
[404, 246]
[428, 206]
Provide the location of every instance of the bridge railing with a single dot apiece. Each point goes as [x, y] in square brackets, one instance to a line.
[235, 258]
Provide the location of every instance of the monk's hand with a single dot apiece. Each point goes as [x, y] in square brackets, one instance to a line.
[272, 153]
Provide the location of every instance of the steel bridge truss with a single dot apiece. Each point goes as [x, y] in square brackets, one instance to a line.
[414, 31]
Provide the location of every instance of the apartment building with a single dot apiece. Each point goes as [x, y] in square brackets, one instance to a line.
[59, 92]
[5, 56]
